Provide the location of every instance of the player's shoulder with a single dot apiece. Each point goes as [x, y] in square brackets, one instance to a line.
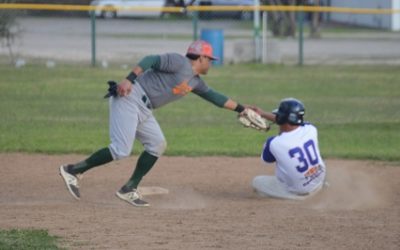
[270, 139]
[172, 57]
[309, 125]
[309, 128]
[173, 54]
[174, 61]
[273, 141]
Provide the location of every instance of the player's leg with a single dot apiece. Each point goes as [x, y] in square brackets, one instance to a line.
[123, 123]
[124, 120]
[100, 157]
[71, 172]
[150, 135]
[269, 186]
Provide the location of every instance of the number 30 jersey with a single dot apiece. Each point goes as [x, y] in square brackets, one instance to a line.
[299, 165]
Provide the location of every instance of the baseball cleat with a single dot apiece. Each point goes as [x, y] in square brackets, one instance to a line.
[132, 197]
[71, 181]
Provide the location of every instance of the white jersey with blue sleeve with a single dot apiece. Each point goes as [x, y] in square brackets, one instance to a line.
[299, 165]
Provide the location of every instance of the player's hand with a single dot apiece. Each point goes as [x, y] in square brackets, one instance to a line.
[255, 108]
[266, 115]
[124, 88]
[251, 119]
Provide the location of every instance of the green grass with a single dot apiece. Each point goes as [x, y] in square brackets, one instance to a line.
[61, 110]
[27, 239]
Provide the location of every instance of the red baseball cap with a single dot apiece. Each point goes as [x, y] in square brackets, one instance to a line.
[201, 48]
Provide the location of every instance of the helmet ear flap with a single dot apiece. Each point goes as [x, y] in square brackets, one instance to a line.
[295, 119]
[280, 118]
[292, 118]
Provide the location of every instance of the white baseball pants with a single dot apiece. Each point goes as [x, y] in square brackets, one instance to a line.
[270, 186]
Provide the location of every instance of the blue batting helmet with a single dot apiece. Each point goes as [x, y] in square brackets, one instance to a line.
[290, 111]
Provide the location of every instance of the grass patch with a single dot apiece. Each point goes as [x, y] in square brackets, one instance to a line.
[27, 239]
[61, 110]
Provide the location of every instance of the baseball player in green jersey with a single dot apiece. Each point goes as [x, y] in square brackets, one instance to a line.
[154, 82]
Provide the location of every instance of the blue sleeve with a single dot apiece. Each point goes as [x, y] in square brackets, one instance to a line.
[266, 155]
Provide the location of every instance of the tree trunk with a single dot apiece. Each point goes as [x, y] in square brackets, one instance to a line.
[290, 20]
[315, 22]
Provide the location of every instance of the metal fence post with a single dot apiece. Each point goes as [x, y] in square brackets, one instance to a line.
[93, 36]
[195, 20]
[257, 38]
[264, 36]
[301, 37]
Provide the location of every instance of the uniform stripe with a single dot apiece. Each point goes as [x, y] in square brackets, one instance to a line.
[267, 156]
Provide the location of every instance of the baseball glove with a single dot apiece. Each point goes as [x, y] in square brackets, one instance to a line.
[251, 119]
[112, 89]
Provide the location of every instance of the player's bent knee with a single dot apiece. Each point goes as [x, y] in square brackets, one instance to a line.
[157, 149]
[119, 153]
[260, 185]
[257, 182]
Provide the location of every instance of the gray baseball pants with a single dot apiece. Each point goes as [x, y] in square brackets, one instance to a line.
[131, 117]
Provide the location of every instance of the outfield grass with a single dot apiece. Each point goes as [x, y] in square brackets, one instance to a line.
[27, 239]
[61, 110]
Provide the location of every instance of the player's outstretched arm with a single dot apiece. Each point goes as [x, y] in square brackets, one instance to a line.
[234, 106]
[266, 115]
[248, 115]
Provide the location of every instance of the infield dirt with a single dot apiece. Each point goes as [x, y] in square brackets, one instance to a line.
[210, 205]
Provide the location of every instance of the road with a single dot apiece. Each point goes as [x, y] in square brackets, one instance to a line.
[126, 40]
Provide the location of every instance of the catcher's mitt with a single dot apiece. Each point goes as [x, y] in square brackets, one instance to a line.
[251, 119]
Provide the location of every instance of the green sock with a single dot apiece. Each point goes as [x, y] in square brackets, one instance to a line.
[145, 163]
[100, 157]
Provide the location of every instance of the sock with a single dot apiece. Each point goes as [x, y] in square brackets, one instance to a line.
[98, 158]
[145, 162]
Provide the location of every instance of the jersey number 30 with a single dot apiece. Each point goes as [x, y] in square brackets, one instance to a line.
[307, 156]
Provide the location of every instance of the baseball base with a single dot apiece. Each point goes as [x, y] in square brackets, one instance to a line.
[153, 190]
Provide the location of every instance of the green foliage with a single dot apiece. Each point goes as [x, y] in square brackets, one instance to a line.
[61, 110]
[27, 240]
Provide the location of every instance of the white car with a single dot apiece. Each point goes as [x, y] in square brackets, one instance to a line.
[114, 10]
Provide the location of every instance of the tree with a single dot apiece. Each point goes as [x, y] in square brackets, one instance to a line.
[315, 21]
[7, 28]
[284, 23]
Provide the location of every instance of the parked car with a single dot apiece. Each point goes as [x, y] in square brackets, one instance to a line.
[112, 11]
[244, 15]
